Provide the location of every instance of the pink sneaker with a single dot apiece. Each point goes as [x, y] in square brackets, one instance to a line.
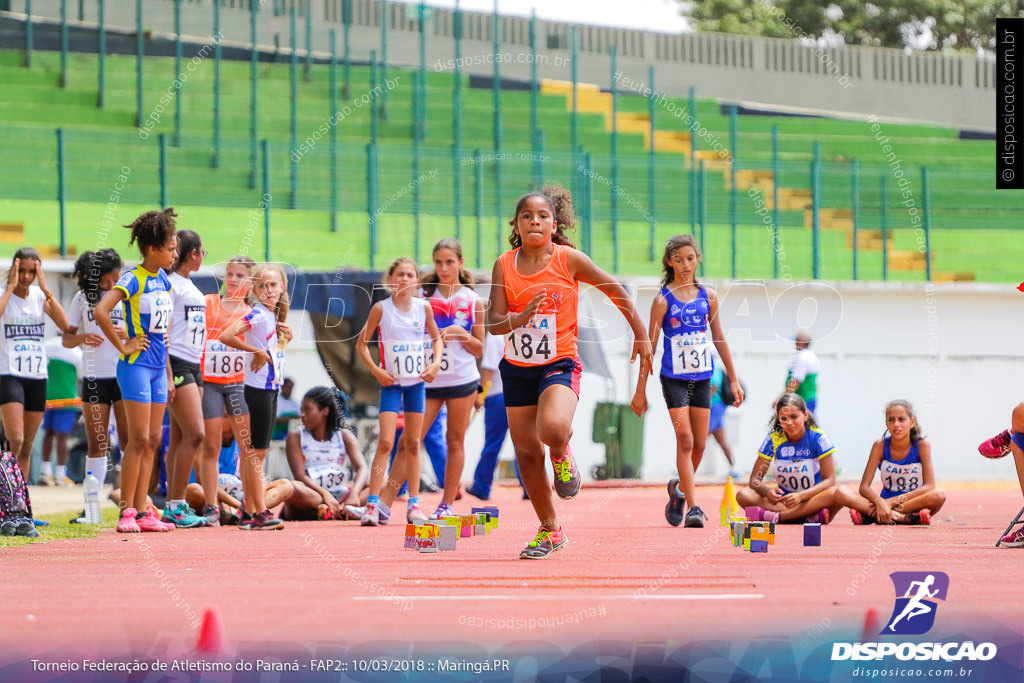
[567, 475]
[996, 447]
[152, 523]
[1014, 539]
[819, 517]
[127, 523]
[759, 514]
[414, 514]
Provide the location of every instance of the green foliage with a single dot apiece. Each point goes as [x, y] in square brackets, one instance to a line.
[963, 25]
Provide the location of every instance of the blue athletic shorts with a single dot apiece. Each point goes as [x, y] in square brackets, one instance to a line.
[411, 398]
[141, 383]
[717, 416]
[524, 385]
[59, 420]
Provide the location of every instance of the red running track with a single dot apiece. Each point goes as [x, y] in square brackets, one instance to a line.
[626, 574]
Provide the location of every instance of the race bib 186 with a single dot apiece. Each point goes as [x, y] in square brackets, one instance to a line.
[223, 360]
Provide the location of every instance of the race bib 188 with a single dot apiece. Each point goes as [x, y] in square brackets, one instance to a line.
[901, 478]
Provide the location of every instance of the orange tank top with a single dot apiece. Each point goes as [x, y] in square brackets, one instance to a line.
[222, 364]
[551, 333]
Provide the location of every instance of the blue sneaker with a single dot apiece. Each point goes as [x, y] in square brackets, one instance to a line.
[675, 506]
[182, 516]
[443, 510]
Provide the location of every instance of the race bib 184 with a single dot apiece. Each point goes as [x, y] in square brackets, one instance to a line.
[533, 343]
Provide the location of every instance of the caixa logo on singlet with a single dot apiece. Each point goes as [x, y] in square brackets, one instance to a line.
[918, 595]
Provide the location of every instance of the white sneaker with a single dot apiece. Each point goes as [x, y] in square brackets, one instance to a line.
[414, 514]
[355, 511]
[735, 474]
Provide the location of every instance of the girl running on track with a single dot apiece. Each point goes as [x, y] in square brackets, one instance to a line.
[534, 296]
[459, 314]
[185, 355]
[23, 307]
[142, 369]
[96, 273]
[904, 458]
[400, 321]
[800, 456]
[687, 311]
[266, 335]
[224, 378]
[319, 456]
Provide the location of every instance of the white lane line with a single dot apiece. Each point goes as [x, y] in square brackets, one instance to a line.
[708, 596]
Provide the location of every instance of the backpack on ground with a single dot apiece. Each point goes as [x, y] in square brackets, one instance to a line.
[14, 500]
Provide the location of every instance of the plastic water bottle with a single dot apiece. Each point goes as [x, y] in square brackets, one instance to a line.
[92, 499]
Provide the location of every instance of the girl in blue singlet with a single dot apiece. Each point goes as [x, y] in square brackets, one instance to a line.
[142, 371]
[904, 460]
[688, 314]
[799, 456]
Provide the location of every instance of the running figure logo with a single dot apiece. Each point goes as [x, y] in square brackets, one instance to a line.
[917, 594]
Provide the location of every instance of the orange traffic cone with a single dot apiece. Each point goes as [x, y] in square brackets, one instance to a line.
[211, 633]
[871, 622]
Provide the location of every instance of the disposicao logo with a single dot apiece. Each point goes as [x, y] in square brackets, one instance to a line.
[917, 596]
[917, 599]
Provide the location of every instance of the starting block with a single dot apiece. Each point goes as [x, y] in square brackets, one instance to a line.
[812, 534]
[753, 536]
[430, 536]
[446, 541]
[492, 520]
[414, 533]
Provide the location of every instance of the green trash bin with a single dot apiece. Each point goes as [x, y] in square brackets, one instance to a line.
[622, 433]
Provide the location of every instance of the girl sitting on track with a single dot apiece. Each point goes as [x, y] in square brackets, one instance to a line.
[319, 456]
[400, 320]
[142, 369]
[224, 378]
[24, 305]
[800, 457]
[687, 311]
[908, 495]
[96, 273]
[459, 314]
[185, 354]
[263, 374]
[534, 297]
[230, 496]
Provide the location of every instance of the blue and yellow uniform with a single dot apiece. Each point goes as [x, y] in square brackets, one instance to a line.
[795, 464]
[142, 376]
